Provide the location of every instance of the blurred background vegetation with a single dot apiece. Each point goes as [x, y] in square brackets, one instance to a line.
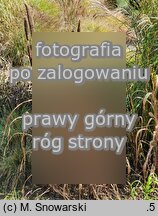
[139, 20]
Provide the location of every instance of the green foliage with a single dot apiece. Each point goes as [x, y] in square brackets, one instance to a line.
[15, 146]
[149, 189]
[146, 28]
[45, 6]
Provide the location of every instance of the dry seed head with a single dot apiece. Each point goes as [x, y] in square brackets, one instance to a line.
[26, 29]
[30, 20]
[79, 26]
